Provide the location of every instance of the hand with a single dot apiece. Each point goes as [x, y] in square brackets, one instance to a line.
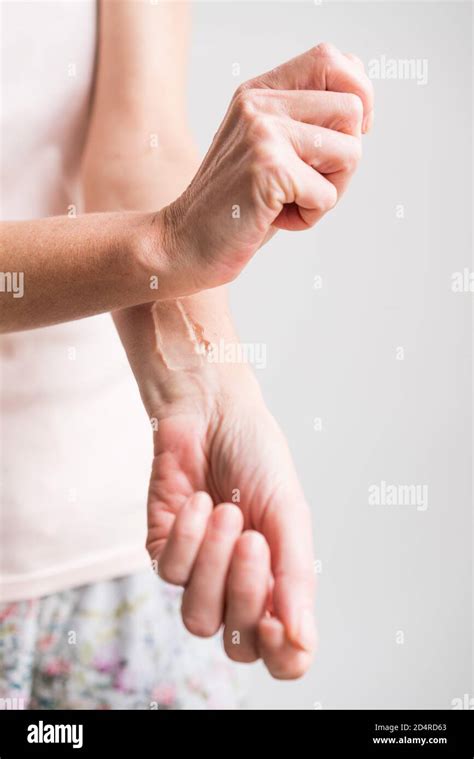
[282, 157]
[259, 582]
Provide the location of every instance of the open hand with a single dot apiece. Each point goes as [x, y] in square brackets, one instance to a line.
[259, 583]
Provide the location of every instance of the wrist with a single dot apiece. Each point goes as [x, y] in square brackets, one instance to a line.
[122, 259]
[166, 262]
[182, 354]
[155, 249]
[204, 389]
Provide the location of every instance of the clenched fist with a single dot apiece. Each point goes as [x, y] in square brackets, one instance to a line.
[284, 154]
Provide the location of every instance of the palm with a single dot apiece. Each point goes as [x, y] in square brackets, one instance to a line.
[238, 455]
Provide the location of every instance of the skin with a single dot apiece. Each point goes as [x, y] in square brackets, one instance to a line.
[280, 159]
[76, 267]
[245, 565]
[235, 446]
[213, 442]
[262, 160]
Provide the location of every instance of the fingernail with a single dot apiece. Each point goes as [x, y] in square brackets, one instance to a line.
[307, 630]
[368, 122]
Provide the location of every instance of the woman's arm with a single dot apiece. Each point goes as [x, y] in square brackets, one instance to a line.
[258, 175]
[68, 268]
[214, 433]
[64, 268]
[140, 155]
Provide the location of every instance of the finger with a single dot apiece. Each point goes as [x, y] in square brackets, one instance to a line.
[183, 543]
[286, 524]
[204, 597]
[164, 500]
[246, 596]
[311, 197]
[333, 154]
[323, 67]
[158, 531]
[283, 660]
[369, 119]
[341, 111]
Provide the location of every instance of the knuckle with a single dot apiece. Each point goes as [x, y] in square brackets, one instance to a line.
[242, 88]
[320, 205]
[350, 113]
[262, 156]
[269, 183]
[352, 105]
[245, 102]
[325, 50]
[239, 94]
[354, 156]
[329, 199]
[259, 128]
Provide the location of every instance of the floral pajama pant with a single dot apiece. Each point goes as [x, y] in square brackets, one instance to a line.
[117, 644]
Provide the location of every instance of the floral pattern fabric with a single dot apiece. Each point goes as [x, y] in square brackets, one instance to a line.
[117, 644]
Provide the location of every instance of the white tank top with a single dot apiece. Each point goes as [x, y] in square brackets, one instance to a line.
[75, 444]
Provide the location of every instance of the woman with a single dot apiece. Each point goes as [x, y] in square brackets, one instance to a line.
[84, 622]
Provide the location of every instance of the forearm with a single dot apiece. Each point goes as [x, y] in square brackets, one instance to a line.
[170, 348]
[140, 156]
[166, 341]
[68, 268]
